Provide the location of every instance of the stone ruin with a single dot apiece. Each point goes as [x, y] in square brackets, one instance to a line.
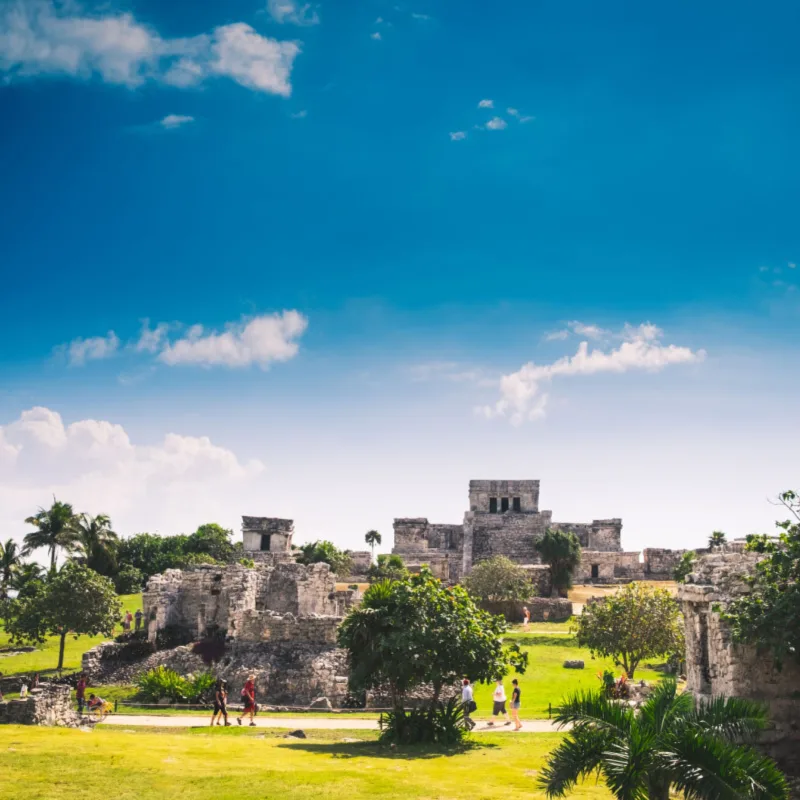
[50, 704]
[277, 620]
[504, 519]
[716, 666]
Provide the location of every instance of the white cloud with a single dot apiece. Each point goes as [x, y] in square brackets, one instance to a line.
[375, 36]
[299, 114]
[514, 112]
[457, 136]
[420, 16]
[526, 119]
[556, 336]
[261, 340]
[496, 124]
[521, 396]
[175, 121]
[486, 104]
[45, 38]
[379, 20]
[151, 339]
[79, 351]
[288, 11]
[95, 465]
[792, 265]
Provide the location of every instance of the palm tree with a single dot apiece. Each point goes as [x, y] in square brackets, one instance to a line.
[669, 743]
[55, 528]
[372, 538]
[27, 575]
[561, 551]
[96, 543]
[717, 539]
[10, 563]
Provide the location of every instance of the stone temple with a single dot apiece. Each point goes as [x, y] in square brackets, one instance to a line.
[504, 519]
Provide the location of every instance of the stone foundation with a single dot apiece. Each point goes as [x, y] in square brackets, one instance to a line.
[605, 567]
[49, 705]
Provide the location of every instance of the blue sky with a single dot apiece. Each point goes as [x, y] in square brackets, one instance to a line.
[376, 234]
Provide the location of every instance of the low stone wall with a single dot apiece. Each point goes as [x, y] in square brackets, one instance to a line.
[268, 626]
[552, 609]
[660, 563]
[49, 705]
[603, 567]
[540, 578]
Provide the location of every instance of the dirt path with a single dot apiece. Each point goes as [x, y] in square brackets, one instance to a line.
[294, 723]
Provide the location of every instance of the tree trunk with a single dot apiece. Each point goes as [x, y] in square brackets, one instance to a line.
[61, 650]
[53, 558]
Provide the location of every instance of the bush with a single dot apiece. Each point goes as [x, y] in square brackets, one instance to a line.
[497, 579]
[129, 580]
[162, 682]
[441, 724]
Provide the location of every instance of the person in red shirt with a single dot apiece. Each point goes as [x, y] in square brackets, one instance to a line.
[80, 692]
[249, 701]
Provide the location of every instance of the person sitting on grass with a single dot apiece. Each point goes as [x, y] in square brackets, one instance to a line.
[220, 703]
[499, 698]
[249, 701]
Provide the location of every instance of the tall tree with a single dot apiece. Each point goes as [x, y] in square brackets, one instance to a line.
[499, 578]
[212, 540]
[637, 622]
[96, 542]
[74, 601]
[55, 529]
[717, 539]
[389, 566]
[28, 580]
[561, 551]
[324, 552]
[372, 538]
[10, 564]
[668, 743]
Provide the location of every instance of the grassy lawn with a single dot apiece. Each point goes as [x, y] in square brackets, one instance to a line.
[145, 765]
[45, 658]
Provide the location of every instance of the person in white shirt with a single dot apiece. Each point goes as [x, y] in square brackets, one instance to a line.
[468, 702]
[499, 698]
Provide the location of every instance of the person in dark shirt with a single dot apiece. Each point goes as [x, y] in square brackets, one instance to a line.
[220, 703]
[138, 618]
[515, 704]
[80, 693]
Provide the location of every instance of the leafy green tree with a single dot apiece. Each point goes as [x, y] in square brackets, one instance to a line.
[96, 543]
[768, 616]
[194, 560]
[389, 566]
[324, 552]
[561, 551]
[637, 622]
[499, 578]
[75, 601]
[670, 743]
[417, 631]
[55, 529]
[213, 540]
[28, 580]
[151, 554]
[372, 538]
[685, 566]
[10, 565]
[717, 539]
[129, 580]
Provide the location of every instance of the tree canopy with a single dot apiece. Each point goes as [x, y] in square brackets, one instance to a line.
[55, 530]
[499, 578]
[685, 566]
[372, 538]
[74, 601]
[324, 552]
[561, 551]
[96, 543]
[416, 631]
[389, 566]
[10, 566]
[717, 539]
[638, 621]
[768, 617]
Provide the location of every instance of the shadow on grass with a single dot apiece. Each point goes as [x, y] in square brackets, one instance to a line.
[377, 750]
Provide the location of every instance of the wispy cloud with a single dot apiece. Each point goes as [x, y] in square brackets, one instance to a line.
[175, 121]
[457, 136]
[522, 395]
[42, 38]
[496, 124]
[151, 339]
[375, 36]
[420, 16]
[450, 371]
[79, 351]
[299, 114]
[486, 104]
[287, 12]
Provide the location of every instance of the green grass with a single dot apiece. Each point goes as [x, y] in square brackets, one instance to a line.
[546, 681]
[542, 627]
[146, 764]
[45, 658]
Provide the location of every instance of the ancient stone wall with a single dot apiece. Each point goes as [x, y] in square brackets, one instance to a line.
[600, 534]
[267, 626]
[609, 567]
[660, 563]
[361, 561]
[267, 535]
[440, 547]
[482, 492]
[540, 578]
[511, 535]
[49, 705]
[716, 666]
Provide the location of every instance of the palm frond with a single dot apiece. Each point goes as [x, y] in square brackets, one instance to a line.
[664, 706]
[579, 754]
[705, 767]
[592, 708]
[729, 718]
[628, 762]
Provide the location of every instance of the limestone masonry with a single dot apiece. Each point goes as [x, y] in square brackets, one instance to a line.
[504, 519]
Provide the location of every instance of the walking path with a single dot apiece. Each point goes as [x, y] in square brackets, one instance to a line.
[305, 723]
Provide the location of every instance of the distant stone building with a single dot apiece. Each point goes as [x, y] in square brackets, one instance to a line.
[715, 666]
[504, 519]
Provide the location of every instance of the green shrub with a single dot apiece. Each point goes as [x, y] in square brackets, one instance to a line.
[441, 724]
[162, 682]
[129, 580]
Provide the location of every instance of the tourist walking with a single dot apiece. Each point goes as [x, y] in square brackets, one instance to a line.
[526, 616]
[468, 703]
[80, 692]
[220, 703]
[499, 706]
[515, 704]
[249, 701]
[138, 616]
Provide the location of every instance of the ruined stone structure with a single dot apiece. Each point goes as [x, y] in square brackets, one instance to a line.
[504, 519]
[268, 539]
[49, 705]
[716, 666]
